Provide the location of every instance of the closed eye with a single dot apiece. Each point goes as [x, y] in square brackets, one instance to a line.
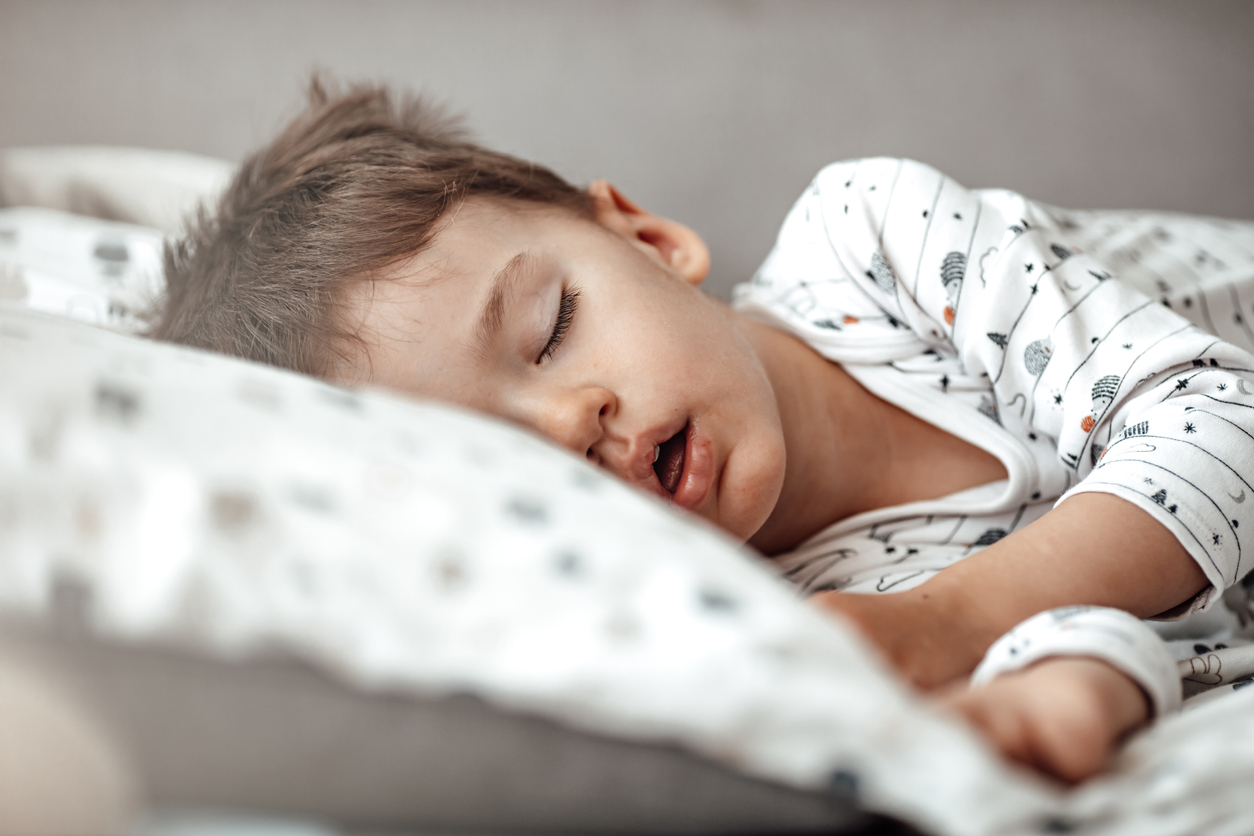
[565, 315]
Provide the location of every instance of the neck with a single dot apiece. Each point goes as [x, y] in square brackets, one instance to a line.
[843, 443]
[847, 451]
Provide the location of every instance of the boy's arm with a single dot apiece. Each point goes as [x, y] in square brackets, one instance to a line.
[1094, 548]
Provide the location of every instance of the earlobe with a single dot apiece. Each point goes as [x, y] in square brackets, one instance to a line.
[672, 243]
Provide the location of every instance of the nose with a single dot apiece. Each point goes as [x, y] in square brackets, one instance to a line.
[576, 418]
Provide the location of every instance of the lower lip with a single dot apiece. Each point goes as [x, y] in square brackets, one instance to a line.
[698, 473]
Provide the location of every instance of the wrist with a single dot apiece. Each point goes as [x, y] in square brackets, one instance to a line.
[958, 629]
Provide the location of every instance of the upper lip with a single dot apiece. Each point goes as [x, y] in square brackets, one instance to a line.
[637, 462]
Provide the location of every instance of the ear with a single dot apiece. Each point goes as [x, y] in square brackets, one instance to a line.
[672, 243]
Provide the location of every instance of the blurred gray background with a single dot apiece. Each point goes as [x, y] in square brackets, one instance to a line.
[714, 113]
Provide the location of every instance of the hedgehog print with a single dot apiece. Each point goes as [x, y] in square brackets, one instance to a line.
[1103, 395]
[953, 270]
[1036, 355]
[882, 274]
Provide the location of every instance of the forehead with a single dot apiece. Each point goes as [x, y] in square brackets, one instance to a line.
[479, 235]
[421, 305]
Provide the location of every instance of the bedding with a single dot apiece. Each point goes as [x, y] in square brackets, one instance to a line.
[244, 570]
[169, 497]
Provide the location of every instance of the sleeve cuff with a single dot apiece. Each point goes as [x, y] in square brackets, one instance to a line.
[1111, 635]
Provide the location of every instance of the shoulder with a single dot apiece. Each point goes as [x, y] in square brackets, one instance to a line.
[876, 205]
[876, 179]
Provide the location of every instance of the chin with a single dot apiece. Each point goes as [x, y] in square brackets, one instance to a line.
[744, 506]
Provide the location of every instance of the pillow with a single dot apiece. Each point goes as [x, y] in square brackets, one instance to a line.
[278, 578]
[157, 189]
[100, 272]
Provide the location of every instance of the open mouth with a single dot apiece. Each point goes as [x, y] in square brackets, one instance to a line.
[669, 465]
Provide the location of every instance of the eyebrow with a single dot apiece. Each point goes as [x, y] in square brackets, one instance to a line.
[503, 283]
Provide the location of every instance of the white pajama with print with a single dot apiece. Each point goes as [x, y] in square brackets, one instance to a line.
[1087, 350]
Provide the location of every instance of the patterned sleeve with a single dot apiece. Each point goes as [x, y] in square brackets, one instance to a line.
[1138, 401]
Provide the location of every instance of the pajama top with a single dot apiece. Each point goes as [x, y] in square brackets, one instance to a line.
[1086, 350]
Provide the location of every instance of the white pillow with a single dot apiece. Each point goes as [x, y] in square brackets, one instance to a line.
[177, 498]
[157, 189]
[100, 272]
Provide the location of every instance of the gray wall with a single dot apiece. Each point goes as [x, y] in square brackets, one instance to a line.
[715, 113]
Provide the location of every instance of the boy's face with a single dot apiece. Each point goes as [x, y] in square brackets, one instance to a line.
[592, 333]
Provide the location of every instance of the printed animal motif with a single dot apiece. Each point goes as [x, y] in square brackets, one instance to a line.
[1103, 394]
[1036, 355]
[882, 272]
[953, 270]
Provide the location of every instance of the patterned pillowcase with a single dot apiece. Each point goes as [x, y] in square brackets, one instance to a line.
[100, 272]
[173, 497]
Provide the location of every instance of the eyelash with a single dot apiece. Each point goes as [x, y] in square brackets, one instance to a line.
[565, 315]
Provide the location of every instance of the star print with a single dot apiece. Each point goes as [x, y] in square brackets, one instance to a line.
[925, 213]
[1029, 267]
[1215, 539]
[1148, 480]
[1189, 428]
[1223, 386]
[957, 216]
[944, 382]
[1034, 289]
[1058, 398]
[1182, 383]
[1127, 345]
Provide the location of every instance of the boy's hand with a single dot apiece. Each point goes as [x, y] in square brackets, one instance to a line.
[1063, 715]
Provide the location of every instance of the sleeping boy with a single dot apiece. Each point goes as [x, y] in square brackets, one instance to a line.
[942, 396]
